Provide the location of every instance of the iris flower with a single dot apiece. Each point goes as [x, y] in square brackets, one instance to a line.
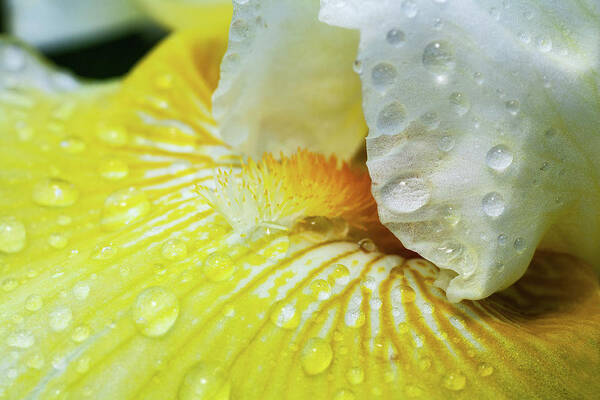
[207, 229]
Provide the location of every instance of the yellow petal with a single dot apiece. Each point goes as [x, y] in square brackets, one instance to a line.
[139, 287]
[208, 17]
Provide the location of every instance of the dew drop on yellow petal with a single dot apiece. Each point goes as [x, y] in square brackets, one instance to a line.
[218, 267]
[174, 249]
[114, 136]
[355, 375]
[340, 274]
[20, 339]
[321, 289]
[403, 294]
[80, 333]
[485, 369]
[54, 192]
[34, 302]
[12, 235]
[284, 315]
[124, 207]
[72, 145]
[316, 356]
[60, 318]
[204, 382]
[344, 394]
[36, 361]
[113, 170]
[155, 310]
[455, 381]
[58, 240]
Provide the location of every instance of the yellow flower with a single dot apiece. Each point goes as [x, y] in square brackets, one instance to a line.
[141, 257]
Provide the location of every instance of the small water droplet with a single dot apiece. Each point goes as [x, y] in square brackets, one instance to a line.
[36, 361]
[10, 284]
[455, 381]
[367, 245]
[391, 119]
[284, 316]
[174, 249]
[218, 267]
[114, 136]
[459, 103]
[73, 145]
[316, 356]
[519, 245]
[155, 311]
[395, 37]
[405, 195]
[493, 204]
[403, 294]
[58, 240]
[357, 66]
[124, 207]
[12, 58]
[20, 339]
[499, 158]
[383, 74]
[80, 333]
[34, 302]
[485, 369]
[410, 8]
[340, 274]
[13, 235]
[355, 375]
[81, 290]
[344, 394]
[321, 289]
[543, 44]
[525, 37]
[113, 170]
[446, 143]
[205, 382]
[60, 318]
[239, 30]
[430, 120]
[55, 193]
[438, 57]
[512, 106]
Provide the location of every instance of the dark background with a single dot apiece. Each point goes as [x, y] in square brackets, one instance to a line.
[105, 59]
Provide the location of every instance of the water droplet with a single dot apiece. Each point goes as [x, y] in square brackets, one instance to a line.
[218, 267]
[36, 361]
[174, 249]
[502, 239]
[114, 136]
[124, 207]
[367, 245]
[519, 245]
[499, 158]
[493, 204]
[73, 145]
[321, 289]
[543, 44]
[550, 133]
[455, 381]
[60, 318]
[155, 310]
[357, 66]
[239, 30]
[58, 240]
[344, 394]
[113, 170]
[13, 235]
[340, 274]
[10, 284]
[355, 318]
[204, 382]
[478, 77]
[34, 303]
[410, 8]
[82, 365]
[316, 356]
[284, 316]
[525, 37]
[403, 294]
[55, 193]
[21, 339]
[438, 57]
[12, 58]
[405, 195]
[446, 143]
[355, 375]
[391, 119]
[383, 74]
[395, 37]
[459, 103]
[430, 120]
[81, 290]
[512, 106]
[80, 333]
[485, 369]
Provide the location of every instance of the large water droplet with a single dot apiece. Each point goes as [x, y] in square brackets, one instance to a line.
[60, 318]
[438, 57]
[154, 311]
[493, 204]
[316, 356]
[124, 207]
[218, 267]
[55, 193]
[405, 195]
[383, 74]
[12, 235]
[205, 382]
[391, 118]
[499, 157]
